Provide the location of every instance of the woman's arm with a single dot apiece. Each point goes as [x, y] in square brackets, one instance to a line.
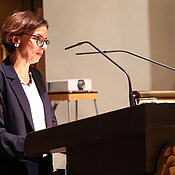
[10, 145]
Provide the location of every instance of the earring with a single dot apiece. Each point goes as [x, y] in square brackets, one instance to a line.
[17, 45]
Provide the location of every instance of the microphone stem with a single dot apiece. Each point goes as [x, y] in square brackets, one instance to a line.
[131, 98]
[130, 53]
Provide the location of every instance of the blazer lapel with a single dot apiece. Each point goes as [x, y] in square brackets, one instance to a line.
[18, 90]
[20, 94]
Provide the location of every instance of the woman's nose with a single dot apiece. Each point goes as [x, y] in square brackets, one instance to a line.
[44, 46]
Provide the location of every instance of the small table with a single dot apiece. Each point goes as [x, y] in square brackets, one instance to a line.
[75, 95]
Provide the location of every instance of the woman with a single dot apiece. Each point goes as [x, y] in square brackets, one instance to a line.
[24, 103]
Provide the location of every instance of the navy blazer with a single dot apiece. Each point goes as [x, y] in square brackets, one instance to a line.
[16, 122]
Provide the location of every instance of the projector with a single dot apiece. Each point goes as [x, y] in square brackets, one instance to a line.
[69, 85]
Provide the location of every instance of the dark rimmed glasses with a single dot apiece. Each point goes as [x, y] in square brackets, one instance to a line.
[39, 40]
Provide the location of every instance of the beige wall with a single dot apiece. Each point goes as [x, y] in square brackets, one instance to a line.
[145, 27]
[162, 42]
[113, 24]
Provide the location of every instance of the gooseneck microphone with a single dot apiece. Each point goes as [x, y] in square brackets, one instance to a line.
[130, 53]
[131, 98]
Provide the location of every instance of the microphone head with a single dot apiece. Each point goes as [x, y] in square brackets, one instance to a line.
[75, 45]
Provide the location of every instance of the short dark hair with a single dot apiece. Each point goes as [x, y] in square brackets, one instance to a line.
[20, 23]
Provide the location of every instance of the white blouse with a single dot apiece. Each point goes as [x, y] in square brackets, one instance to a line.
[36, 104]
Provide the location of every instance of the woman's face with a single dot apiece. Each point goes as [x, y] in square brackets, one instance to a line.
[29, 49]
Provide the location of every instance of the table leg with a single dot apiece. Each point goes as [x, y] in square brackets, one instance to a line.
[95, 104]
[76, 109]
[69, 112]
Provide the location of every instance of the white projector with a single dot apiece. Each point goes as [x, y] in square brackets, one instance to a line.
[69, 85]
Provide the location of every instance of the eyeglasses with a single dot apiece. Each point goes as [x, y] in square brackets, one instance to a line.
[39, 40]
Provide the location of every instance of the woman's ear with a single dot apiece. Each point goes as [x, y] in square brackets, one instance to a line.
[16, 40]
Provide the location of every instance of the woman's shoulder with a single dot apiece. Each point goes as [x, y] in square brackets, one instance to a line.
[5, 64]
[2, 78]
[1, 70]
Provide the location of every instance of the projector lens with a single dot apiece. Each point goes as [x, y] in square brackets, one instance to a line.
[81, 84]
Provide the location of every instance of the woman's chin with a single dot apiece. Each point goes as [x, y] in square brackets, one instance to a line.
[35, 61]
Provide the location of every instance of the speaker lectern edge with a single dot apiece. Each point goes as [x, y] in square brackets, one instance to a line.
[121, 142]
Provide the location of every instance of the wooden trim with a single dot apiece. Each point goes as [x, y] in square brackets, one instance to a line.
[72, 96]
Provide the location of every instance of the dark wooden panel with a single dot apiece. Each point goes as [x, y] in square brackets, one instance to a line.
[126, 141]
[7, 7]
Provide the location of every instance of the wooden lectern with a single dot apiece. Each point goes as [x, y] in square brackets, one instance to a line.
[122, 142]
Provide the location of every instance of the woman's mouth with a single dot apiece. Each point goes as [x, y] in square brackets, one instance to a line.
[40, 54]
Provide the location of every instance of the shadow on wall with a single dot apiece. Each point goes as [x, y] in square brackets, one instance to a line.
[162, 42]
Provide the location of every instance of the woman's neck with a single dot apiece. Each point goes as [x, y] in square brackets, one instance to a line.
[21, 67]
